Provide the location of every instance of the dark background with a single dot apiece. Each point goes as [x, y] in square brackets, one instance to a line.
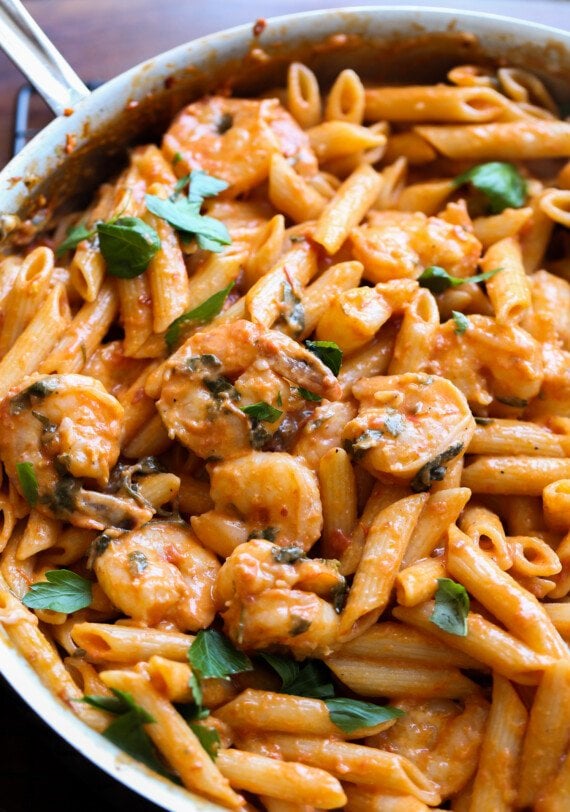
[100, 38]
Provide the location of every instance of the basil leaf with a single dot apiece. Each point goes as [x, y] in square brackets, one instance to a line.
[202, 314]
[461, 321]
[203, 185]
[183, 214]
[28, 482]
[127, 733]
[304, 393]
[351, 714]
[112, 704]
[328, 352]
[262, 411]
[436, 279]
[127, 245]
[434, 470]
[213, 655]
[75, 235]
[63, 591]
[309, 678]
[208, 737]
[196, 688]
[451, 607]
[501, 183]
[267, 533]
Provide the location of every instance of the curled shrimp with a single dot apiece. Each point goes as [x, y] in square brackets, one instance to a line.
[408, 427]
[159, 572]
[217, 373]
[263, 495]
[489, 361]
[234, 139]
[397, 244]
[274, 596]
[68, 429]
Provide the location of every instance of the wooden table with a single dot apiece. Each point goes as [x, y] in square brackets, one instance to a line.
[101, 38]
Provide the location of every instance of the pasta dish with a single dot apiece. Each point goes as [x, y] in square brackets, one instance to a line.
[286, 448]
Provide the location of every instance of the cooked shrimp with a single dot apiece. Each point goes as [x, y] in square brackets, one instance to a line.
[234, 139]
[266, 495]
[159, 572]
[68, 428]
[408, 427]
[489, 360]
[323, 431]
[397, 244]
[217, 373]
[274, 596]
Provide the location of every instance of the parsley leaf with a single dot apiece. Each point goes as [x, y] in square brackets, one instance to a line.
[309, 678]
[434, 470]
[63, 591]
[28, 482]
[461, 321]
[451, 607]
[213, 655]
[208, 737]
[127, 245]
[203, 185]
[183, 214]
[436, 279]
[75, 235]
[351, 714]
[262, 411]
[501, 183]
[202, 314]
[127, 731]
[328, 352]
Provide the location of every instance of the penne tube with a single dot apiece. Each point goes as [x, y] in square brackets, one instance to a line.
[358, 764]
[347, 208]
[159, 489]
[266, 710]
[546, 738]
[175, 739]
[441, 510]
[410, 147]
[365, 799]
[337, 139]
[319, 295]
[167, 277]
[41, 533]
[345, 101]
[414, 342]
[555, 203]
[496, 227]
[533, 557]
[337, 486]
[434, 103]
[556, 794]
[429, 197]
[508, 290]
[150, 441]
[520, 612]
[485, 642]
[84, 334]
[418, 582]
[556, 504]
[118, 643]
[503, 437]
[484, 528]
[37, 340]
[194, 495]
[171, 679]
[495, 785]
[370, 361]
[136, 312]
[286, 780]
[303, 95]
[291, 194]
[400, 678]
[382, 555]
[519, 476]
[265, 250]
[524, 140]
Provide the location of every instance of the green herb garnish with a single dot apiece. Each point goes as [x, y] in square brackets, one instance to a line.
[287, 555]
[351, 714]
[461, 321]
[262, 411]
[451, 607]
[213, 655]
[501, 183]
[328, 352]
[434, 470]
[202, 314]
[63, 591]
[436, 279]
[127, 246]
[309, 678]
[364, 442]
[516, 403]
[28, 482]
[208, 737]
[304, 393]
[75, 235]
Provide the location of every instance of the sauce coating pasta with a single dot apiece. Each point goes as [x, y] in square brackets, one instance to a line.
[286, 449]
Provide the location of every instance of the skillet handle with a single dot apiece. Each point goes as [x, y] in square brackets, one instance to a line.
[37, 58]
